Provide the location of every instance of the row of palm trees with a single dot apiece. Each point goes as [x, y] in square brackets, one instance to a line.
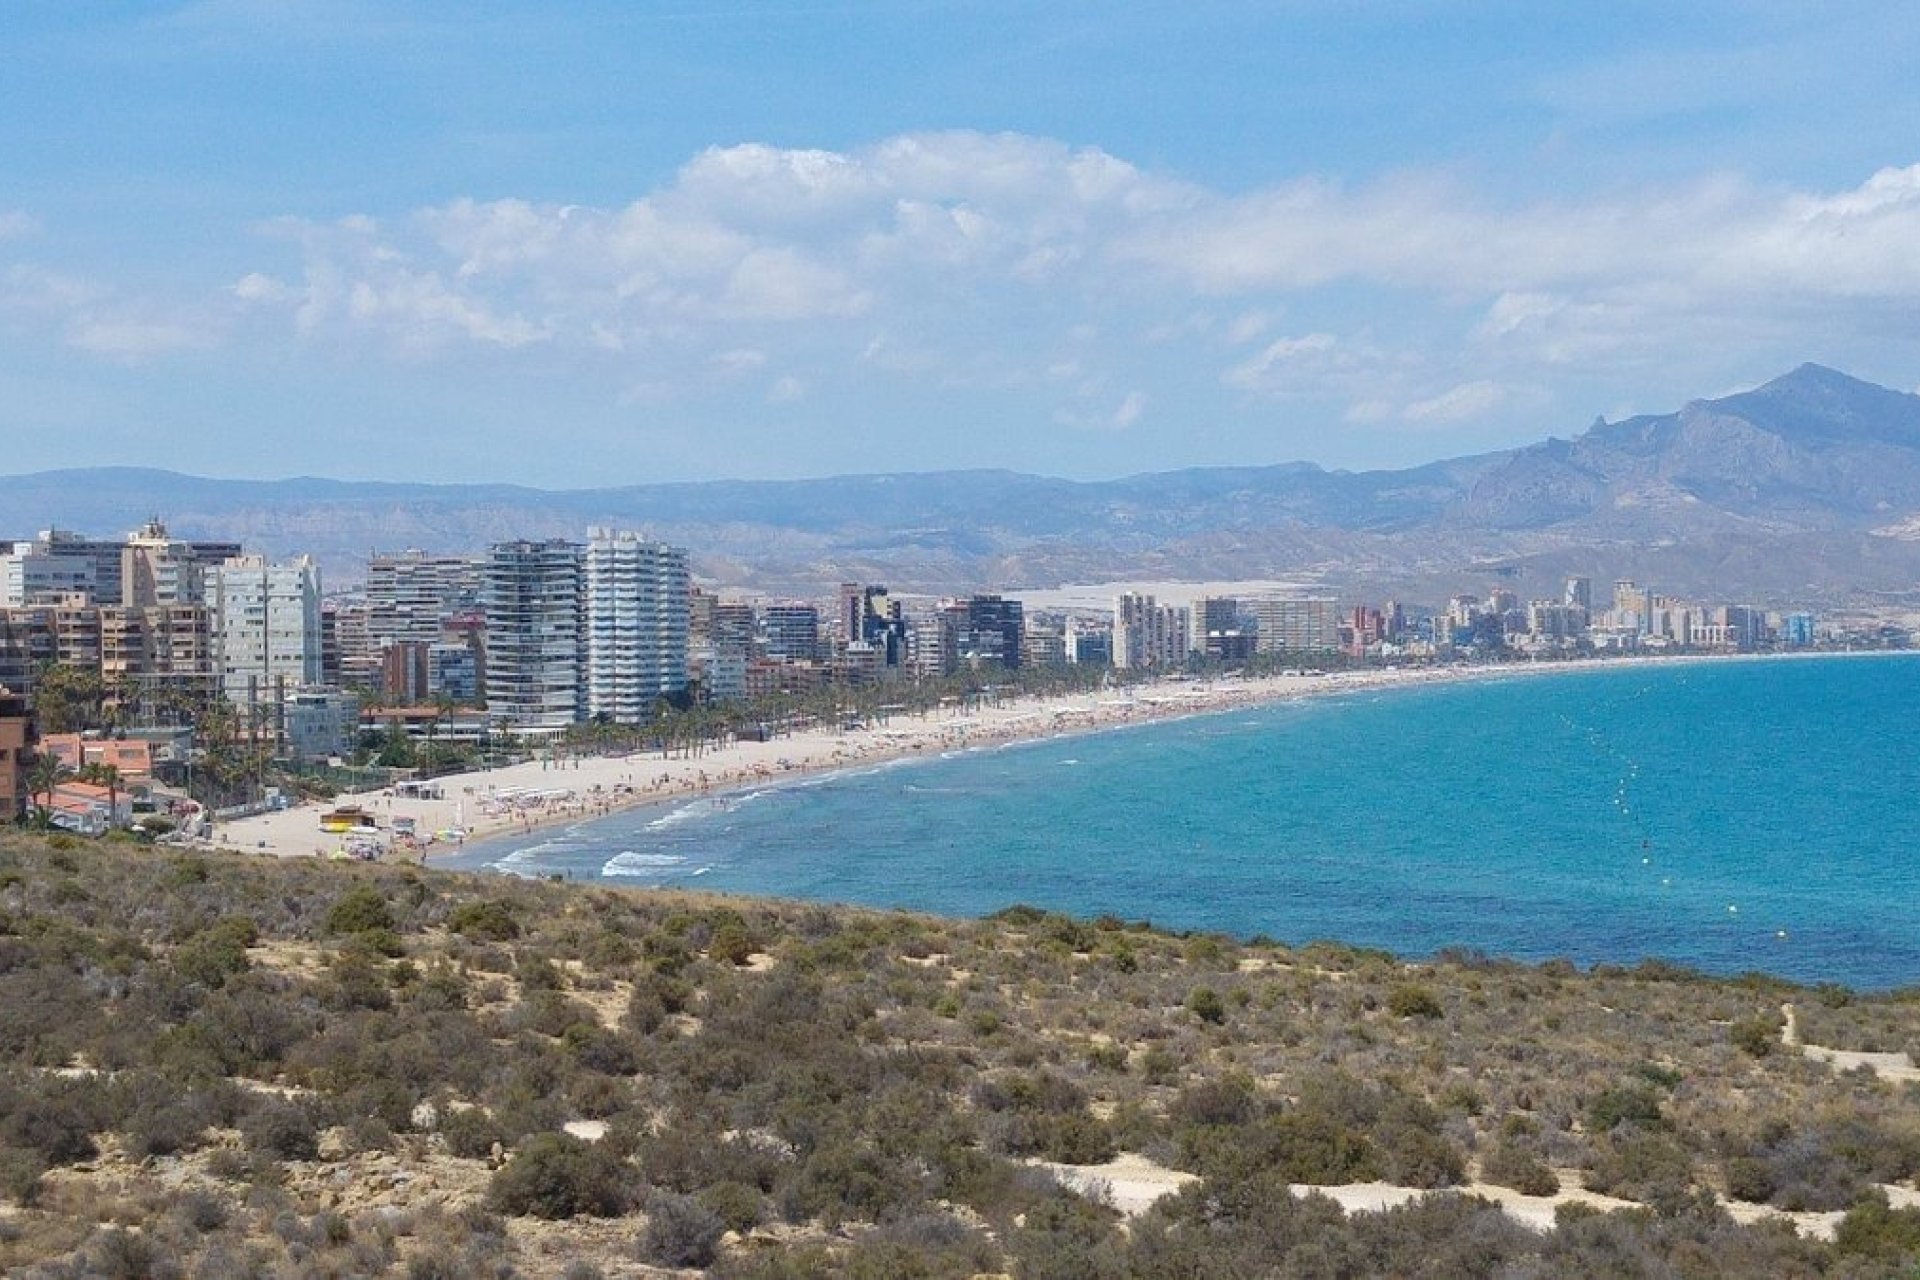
[47, 772]
[691, 729]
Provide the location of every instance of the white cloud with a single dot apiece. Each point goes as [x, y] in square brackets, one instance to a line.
[1090, 416]
[786, 391]
[1290, 364]
[947, 258]
[96, 318]
[127, 338]
[739, 360]
[1463, 403]
[1247, 326]
[17, 224]
[257, 287]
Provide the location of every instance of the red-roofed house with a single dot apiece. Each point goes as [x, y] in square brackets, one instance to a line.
[132, 757]
[89, 809]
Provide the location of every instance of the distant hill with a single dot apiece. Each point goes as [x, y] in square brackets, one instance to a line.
[1807, 488]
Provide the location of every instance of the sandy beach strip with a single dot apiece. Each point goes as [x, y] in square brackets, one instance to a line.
[525, 797]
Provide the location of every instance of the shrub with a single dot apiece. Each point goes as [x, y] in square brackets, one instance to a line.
[1873, 1230]
[283, 1129]
[163, 1128]
[1413, 1001]
[1205, 1004]
[1648, 1167]
[738, 1205]
[555, 1175]
[1624, 1105]
[598, 1049]
[1227, 1101]
[355, 982]
[362, 908]
[731, 944]
[1749, 1179]
[119, 1254]
[470, 1133]
[1507, 1165]
[1755, 1036]
[491, 921]
[680, 1231]
[216, 953]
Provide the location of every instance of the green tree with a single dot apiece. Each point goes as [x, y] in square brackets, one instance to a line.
[45, 774]
[108, 776]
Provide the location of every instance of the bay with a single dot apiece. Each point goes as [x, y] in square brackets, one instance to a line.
[1727, 815]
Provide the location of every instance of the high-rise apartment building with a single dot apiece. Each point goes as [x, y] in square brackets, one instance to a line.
[1219, 632]
[636, 624]
[792, 631]
[1146, 634]
[1290, 624]
[534, 596]
[869, 616]
[410, 594]
[30, 573]
[161, 658]
[981, 630]
[266, 628]
[157, 568]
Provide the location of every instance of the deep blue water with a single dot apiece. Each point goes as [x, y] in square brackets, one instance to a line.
[1728, 816]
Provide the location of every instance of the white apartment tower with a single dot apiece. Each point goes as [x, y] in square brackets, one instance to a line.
[637, 613]
[266, 627]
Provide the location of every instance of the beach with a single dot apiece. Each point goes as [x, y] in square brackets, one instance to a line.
[525, 797]
[517, 799]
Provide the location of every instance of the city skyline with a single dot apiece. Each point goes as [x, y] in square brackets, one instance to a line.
[792, 240]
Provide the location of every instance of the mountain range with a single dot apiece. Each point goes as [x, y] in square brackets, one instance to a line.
[1804, 490]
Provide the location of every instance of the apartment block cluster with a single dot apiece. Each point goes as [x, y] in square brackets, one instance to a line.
[534, 637]
[1636, 618]
[164, 622]
[1223, 629]
[1143, 633]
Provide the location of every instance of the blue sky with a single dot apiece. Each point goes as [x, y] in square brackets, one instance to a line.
[582, 244]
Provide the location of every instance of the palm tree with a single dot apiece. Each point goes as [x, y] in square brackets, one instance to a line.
[44, 776]
[108, 776]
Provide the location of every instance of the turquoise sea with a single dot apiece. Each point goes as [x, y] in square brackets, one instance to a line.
[1724, 815]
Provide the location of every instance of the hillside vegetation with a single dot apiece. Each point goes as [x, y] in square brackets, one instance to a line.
[221, 1065]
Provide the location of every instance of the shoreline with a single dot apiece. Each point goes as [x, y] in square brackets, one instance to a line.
[490, 806]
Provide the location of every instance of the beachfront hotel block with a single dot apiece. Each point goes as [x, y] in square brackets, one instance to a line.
[266, 628]
[637, 613]
[1292, 624]
[1147, 634]
[534, 597]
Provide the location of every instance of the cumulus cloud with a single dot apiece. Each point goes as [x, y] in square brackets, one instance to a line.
[1463, 403]
[979, 259]
[738, 360]
[97, 318]
[1091, 414]
[1293, 364]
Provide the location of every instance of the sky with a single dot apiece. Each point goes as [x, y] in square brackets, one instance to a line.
[583, 244]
